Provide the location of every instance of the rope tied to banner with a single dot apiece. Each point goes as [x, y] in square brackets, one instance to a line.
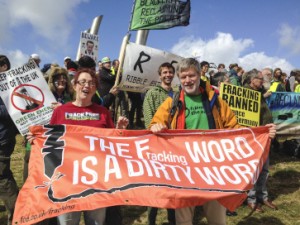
[52, 180]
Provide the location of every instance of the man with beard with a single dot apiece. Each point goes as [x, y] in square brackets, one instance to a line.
[258, 195]
[277, 82]
[152, 101]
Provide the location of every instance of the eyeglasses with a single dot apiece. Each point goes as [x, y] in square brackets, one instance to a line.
[60, 82]
[82, 83]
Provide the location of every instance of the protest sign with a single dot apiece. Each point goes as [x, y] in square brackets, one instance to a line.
[140, 70]
[26, 96]
[244, 102]
[89, 45]
[285, 108]
[75, 168]
[150, 15]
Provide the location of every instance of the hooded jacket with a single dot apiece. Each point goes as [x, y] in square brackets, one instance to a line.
[219, 114]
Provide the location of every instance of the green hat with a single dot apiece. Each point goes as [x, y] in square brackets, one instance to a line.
[105, 60]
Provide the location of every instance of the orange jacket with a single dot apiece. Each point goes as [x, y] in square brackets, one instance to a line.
[224, 118]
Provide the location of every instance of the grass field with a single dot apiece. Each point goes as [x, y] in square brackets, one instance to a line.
[283, 187]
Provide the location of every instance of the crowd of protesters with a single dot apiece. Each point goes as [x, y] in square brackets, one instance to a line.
[74, 80]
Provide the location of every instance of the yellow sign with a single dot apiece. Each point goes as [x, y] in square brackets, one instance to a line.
[244, 102]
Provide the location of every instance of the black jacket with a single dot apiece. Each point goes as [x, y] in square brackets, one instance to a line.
[8, 130]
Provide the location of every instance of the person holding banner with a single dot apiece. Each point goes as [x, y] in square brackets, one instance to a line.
[8, 187]
[258, 195]
[153, 99]
[196, 108]
[84, 112]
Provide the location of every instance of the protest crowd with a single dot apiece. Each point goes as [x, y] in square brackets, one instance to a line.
[83, 86]
[98, 135]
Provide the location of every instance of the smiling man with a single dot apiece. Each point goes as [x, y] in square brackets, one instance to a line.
[197, 108]
[158, 94]
[152, 101]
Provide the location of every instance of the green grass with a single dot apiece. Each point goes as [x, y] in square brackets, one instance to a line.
[283, 187]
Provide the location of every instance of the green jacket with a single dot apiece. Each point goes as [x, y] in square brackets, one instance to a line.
[153, 99]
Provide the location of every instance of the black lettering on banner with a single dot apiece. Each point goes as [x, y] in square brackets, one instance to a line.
[53, 149]
[140, 61]
[225, 97]
[174, 62]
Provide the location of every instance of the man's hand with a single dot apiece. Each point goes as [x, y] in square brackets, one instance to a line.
[272, 130]
[158, 127]
[267, 94]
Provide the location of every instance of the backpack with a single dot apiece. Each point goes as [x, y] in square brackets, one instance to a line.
[292, 148]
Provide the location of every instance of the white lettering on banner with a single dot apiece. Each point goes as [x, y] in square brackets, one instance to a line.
[231, 174]
[112, 167]
[86, 172]
[85, 169]
[168, 165]
[140, 149]
[219, 151]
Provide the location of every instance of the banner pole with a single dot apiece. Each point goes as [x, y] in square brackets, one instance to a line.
[122, 57]
[132, 10]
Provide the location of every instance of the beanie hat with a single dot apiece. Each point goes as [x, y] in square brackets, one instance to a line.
[105, 60]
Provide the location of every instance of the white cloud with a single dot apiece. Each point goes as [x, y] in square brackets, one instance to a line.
[48, 19]
[290, 38]
[225, 49]
[259, 61]
[16, 57]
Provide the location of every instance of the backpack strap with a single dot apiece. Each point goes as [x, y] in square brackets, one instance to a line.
[176, 105]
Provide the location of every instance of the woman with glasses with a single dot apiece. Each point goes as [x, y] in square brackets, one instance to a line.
[82, 111]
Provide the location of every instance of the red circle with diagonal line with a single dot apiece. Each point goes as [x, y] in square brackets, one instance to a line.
[20, 93]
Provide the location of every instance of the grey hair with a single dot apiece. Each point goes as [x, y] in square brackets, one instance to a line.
[249, 75]
[188, 63]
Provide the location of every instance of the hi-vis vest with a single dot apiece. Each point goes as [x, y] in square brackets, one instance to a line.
[274, 86]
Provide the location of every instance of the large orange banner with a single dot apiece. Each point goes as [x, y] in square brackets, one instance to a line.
[75, 168]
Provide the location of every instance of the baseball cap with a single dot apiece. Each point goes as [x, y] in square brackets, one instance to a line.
[67, 57]
[105, 60]
[35, 56]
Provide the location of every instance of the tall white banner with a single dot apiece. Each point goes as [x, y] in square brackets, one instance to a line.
[140, 69]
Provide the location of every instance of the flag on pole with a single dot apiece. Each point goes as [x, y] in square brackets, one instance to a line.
[155, 15]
